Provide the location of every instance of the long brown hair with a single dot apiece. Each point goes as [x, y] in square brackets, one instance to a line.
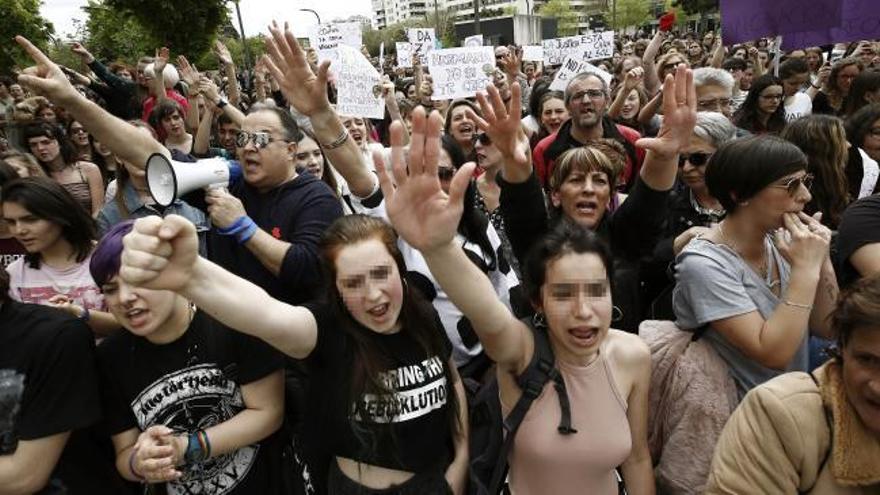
[417, 316]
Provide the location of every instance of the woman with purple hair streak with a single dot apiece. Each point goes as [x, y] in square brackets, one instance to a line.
[189, 403]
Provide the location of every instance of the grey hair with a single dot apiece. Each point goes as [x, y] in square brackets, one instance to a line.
[711, 75]
[581, 77]
[714, 128]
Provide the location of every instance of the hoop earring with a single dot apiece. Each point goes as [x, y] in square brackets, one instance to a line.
[538, 320]
[615, 317]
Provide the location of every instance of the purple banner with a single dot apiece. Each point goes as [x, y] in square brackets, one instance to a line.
[860, 20]
[746, 20]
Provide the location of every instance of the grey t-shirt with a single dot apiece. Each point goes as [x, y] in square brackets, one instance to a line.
[714, 283]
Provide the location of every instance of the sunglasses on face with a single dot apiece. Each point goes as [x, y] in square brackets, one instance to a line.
[793, 185]
[260, 139]
[482, 138]
[696, 159]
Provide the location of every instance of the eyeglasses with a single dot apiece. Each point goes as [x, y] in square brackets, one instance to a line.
[593, 94]
[875, 132]
[445, 173]
[697, 159]
[794, 184]
[777, 96]
[260, 139]
[482, 138]
[712, 104]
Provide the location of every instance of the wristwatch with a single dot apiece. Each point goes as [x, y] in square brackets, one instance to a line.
[85, 315]
[222, 103]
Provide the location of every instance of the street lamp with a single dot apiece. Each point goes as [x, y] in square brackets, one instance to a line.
[313, 12]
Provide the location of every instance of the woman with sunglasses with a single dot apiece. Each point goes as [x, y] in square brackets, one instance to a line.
[758, 282]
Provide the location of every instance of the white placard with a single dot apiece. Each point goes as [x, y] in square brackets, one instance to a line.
[325, 38]
[592, 46]
[404, 54]
[475, 40]
[359, 85]
[533, 53]
[382, 56]
[461, 72]
[423, 41]
[572, 67]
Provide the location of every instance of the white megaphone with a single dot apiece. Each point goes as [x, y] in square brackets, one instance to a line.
[168, 179]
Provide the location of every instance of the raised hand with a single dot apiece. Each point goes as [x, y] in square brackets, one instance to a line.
[209, 89]
[46, 78]
[512, 63]
[679, 114]
[161, 60]
[222, 53]
[84, 54]
[188, 73]
[504, 127]
[160, 253]
[420, 211]
[633, 78]
[287, 63]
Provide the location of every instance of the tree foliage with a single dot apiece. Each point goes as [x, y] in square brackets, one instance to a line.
[697, 6]
[184, 26]
[21, 17]
[632, 13]
[115, 35]
[566, 17]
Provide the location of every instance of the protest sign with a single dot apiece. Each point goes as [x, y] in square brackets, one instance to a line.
[591, 46]
[325, 38]
[404, 54]
[461, 72]
[571, 67]
[422, 41]
[533, 53]
[359, 85]
[747, 20]
[475, 40]
[859, 20]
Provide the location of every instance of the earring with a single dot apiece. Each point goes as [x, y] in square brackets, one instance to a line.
[616, 314]
[538, 320]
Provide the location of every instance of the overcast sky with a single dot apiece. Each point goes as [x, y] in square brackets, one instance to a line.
[255, 14]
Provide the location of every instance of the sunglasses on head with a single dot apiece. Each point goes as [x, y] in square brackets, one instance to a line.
[696, 159]
[483, 139]
[794, 184]
[260, 139]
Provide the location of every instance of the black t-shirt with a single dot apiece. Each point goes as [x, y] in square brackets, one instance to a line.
[409, 430]
[859, 226]
[10, 250]
[192, 384]
[54, 353]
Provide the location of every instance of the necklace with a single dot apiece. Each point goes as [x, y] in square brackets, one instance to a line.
[763, 268]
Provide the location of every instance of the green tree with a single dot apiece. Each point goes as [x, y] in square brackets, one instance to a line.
[566, 17]
[631, 13]
[185, 26]
[21, 17]
[114, 35]
[697, 6]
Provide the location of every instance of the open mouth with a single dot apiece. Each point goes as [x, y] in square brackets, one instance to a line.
[379, 311]
[585, 336]
[357, 136]
[587, 207]
[136, 317]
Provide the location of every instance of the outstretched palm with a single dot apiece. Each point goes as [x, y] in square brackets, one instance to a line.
[287, 63]
[679, 114]
[423, 215]
[504, 127]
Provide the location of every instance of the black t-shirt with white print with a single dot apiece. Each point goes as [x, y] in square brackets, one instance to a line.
[188, 385]
[408, 430]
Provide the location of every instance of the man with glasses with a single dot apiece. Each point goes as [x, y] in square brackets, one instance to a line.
[586, 99]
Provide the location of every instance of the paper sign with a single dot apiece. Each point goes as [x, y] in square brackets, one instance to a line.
[592, 46]
[423, 41]
[533, 53]
[571, 67]
[404, 54]
[461, 72]
[382, 55]
[475, 40]
[325, 38]
[359, 85]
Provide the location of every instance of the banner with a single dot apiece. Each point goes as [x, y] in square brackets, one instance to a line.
[860, 20]
[592, 46]
[747, 20]
[359, 85]
[404, 54]
[461, 72]
[423, 41]
[571, 67]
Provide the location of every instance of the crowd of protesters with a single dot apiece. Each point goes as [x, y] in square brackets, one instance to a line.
[697, 241]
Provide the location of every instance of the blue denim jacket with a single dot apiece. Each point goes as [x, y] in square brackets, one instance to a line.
[110, 214]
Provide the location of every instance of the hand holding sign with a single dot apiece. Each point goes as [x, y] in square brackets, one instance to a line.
[287, 63]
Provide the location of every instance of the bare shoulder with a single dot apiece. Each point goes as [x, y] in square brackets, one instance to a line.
[88, 166]
[627, 350]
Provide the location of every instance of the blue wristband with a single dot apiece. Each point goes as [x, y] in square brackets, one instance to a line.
[236, 226]
[247, 232]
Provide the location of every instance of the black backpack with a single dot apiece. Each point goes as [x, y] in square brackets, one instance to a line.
[491, 436]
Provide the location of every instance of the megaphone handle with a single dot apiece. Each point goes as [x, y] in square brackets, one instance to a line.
[217, 187]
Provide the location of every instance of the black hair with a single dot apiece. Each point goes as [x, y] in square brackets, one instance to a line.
[793, 67]
[46, 199]
[867, 81]
[747, 114]
[566, 237]
[326, 171]
[741, 168]
[4, 286]
[288, 123]
[541, 87]
[859, 124]
[5, 81]
[7, 173]
[51, 131]
[734, 63]
[164, 109]
[857, 307]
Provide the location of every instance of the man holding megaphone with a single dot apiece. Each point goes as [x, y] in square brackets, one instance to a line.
[267, 219]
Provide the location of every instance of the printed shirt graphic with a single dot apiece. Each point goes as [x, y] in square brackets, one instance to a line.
[418, 390]
[192, 399]
[37, 286]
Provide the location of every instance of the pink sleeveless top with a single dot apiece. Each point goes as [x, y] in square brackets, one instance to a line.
[543, 461]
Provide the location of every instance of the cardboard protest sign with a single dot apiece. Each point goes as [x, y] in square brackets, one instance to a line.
[475, 40]
[592, 46]
[404, 54]
[423, 41]
[746, 20]
[359, 85]
[461, 72]
[572, 67]
[325, 38]
[533, 53]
